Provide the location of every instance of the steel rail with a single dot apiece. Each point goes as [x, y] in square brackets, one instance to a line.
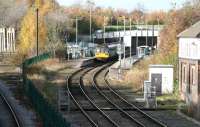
[109, 101]
[14, 115]
[132, 105]
[90, 100]
[76, 102]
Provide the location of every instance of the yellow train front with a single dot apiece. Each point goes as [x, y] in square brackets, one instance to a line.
[105, 52]
[102, 56]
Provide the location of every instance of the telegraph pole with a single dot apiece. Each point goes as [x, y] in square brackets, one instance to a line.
[37, 30]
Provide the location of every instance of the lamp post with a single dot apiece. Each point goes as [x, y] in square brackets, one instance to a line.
[146, 33]
[104, 29]
[131, 37]
[118, 31]
[90, 23]
[90, 6]
[76, 22]
[137, 38]
[124, 40]
[91, 3]
[76, 30]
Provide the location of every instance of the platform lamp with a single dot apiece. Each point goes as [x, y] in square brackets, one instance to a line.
[104, 29]
[130, 21]
[123, 39]
[137, 24]
[119, 38]
[123, 18]
[146, 32]
[91, 4]
[76, 19]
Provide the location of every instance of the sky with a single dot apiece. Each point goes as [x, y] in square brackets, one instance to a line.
[149, 5]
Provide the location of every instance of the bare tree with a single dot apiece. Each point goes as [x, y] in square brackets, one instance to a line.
[57, 24]
[11, 12]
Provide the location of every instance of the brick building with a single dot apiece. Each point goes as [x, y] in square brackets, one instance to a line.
[189, 68]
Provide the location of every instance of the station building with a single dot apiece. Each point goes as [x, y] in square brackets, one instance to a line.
[141, 35]
[189, 68]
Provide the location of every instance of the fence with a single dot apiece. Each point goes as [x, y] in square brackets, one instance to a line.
[36, 59]
[49, 115]
[7, 40]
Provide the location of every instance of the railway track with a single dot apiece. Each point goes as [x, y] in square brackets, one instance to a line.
[8, 115]
[145, 120]
[104, 117]
[137, 117]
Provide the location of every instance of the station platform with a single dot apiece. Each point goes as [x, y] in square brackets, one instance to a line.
[126, 63]
[118, 70]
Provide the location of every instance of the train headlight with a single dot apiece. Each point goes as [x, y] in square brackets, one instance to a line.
[98, 50]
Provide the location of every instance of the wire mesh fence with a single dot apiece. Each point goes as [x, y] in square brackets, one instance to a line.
[50, 116]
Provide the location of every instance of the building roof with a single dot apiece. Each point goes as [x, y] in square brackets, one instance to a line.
[160, 66]
[193, 31]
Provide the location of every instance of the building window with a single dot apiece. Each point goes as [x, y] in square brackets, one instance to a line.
[184, 74]
[192, 75]
[189, 82]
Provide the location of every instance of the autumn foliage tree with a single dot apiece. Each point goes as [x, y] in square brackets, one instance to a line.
[27, 35]
[175, 22]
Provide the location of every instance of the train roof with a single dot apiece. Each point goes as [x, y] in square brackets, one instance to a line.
[110, 45]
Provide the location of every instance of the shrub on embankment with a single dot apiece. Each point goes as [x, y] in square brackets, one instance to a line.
[175, 22]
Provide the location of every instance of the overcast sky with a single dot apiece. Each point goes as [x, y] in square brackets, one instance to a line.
[149, 5]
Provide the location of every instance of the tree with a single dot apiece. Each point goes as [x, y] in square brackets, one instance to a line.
[58, 25]
[156, 17]
[27, 41]
[138, 14]
[176, 22]
[11, 12]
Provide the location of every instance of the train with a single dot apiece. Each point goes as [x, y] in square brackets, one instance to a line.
[105, 52]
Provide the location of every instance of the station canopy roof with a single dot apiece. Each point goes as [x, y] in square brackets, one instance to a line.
[191, 32]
